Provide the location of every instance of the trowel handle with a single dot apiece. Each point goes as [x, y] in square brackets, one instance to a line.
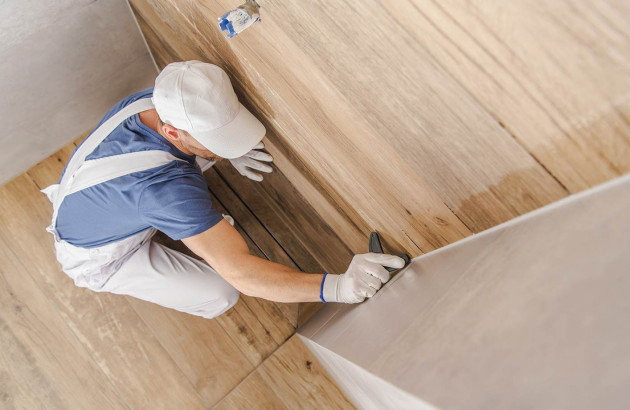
[376, 247]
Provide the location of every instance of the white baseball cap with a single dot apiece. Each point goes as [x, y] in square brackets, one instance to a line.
[198, 98]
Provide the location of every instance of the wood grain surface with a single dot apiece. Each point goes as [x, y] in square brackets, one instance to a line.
[423, 120]
[290, 379]
[426, 121]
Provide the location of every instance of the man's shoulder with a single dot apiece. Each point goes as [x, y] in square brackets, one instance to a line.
[175, 176]
[177, 182]
[146, 93]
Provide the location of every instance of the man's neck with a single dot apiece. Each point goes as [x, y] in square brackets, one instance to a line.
[150, 119]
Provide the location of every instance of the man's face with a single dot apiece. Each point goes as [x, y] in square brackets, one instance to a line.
[194, 146]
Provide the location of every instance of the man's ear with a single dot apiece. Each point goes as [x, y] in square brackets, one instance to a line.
[171, 133]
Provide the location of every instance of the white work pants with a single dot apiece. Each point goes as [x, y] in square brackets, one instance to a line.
[169, 278]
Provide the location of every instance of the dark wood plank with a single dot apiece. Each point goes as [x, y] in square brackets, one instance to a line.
[290, 219]
[279, 221]
[279, 319]
[249, 221]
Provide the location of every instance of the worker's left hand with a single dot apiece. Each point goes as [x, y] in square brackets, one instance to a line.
[253, 160]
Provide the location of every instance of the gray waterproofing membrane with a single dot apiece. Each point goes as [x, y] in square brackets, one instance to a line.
[532, 313]
[63, 65]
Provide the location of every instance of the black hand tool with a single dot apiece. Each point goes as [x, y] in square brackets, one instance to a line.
[376, 247]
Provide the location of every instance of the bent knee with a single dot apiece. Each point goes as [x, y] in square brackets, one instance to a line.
[232, 298]
[217, 307]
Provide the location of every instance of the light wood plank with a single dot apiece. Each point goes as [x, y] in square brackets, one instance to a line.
[109, 329]
[435, 126]
[43, 364]
[299, 380]
[200, 347]
[366, 113]
[252, 393]
[342, 152]
[48, 171]
[291, 378]
[553, 73]
[247, 332]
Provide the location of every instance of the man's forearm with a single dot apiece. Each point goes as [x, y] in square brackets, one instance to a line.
[226, 251]
[261, 278]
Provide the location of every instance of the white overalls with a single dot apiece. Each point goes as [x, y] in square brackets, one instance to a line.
[134, 266]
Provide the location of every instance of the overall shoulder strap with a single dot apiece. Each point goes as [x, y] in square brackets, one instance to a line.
[100, 134]
[104, 169]
[97, 171]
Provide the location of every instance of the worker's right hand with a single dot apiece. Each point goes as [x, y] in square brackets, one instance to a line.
[364, 277]
[254, 160]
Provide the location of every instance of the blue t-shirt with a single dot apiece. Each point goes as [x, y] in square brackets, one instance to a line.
[173, 198]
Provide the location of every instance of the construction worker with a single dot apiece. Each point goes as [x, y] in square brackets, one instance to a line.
[140, 171]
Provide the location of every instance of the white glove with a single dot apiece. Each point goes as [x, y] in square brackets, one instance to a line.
[254, 159]
[364, 277]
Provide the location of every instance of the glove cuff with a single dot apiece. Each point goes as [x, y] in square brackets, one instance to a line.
[329, 288]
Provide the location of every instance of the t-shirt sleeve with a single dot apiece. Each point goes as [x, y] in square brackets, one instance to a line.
[180, 207]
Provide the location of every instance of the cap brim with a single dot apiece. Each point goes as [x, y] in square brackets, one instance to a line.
[234, 139]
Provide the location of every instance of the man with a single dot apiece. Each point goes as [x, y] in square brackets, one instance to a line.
[137, 173]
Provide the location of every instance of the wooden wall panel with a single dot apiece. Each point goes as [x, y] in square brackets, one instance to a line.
[423, 120]
[435, 127]
[347, 169]
[553, 73]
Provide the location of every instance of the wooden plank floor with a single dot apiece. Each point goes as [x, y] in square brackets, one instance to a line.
[67, 347]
